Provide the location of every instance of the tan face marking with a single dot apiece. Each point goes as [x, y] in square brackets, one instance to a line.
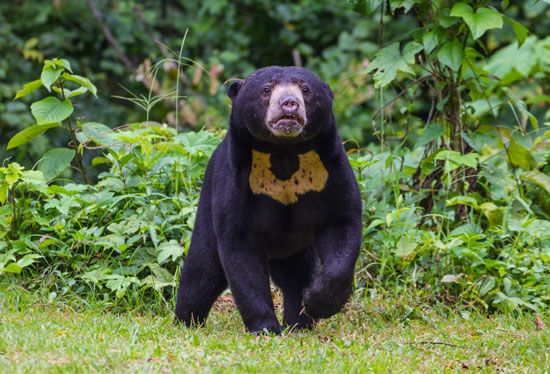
[310, 176]
[275, 111]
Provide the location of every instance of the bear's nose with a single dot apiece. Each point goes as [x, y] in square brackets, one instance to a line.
[289, 103]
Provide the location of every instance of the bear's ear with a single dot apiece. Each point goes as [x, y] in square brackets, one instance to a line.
[234, 88]
[328, 90]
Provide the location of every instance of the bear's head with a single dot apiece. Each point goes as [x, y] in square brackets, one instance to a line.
[282, 105]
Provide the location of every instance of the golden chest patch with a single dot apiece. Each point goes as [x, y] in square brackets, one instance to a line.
[310, 176]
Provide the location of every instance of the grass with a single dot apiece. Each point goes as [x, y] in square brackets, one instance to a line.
[379, 335]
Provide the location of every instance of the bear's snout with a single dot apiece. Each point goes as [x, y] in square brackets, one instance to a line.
[289, 104]
[286, 115]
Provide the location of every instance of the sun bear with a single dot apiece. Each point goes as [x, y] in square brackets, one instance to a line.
[279, 201]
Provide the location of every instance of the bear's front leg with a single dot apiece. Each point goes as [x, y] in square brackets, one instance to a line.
[338, 247]
[246, 269]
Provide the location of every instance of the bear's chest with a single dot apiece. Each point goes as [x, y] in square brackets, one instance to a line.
[289, 196]
[310, 175]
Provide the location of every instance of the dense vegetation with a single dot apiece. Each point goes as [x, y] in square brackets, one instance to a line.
[442, 105]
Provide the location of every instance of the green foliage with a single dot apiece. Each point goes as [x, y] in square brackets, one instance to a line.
[123, 239]
[123, 234]
[479, 22]
[55, 161]
[498, 259]
[30, 133]
[451, 55]
[51, 112]
[449, 119]
[390, 60]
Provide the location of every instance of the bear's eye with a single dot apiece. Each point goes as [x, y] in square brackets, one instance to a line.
[305, 89]
[267, 89]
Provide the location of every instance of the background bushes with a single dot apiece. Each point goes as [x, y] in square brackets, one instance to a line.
[458, 215]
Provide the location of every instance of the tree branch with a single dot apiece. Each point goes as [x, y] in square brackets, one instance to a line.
[92, 4]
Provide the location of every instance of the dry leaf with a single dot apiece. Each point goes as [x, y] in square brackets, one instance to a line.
[539, 323]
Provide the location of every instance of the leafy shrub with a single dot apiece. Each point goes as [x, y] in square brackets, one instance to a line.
[123, 238]
[455, 190]
[498, 258]
[127, 232]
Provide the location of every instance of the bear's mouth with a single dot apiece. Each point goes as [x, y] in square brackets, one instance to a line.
[287, 125]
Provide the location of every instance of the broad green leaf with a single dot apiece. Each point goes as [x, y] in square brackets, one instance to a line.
[51, 110]
[169, 249]
[430, 40]
[365, 7]
[49, 76]
[390, 60]
[96, 275]
[85, 82]
[125, 228]
[197, 142]
[69, 189]
[100, 161]
[57, 63]
[33, 177]
[62, 205]
[451, 54]
[479, 22]
[55, 161]
[493, 213]
[461, 10]
[12, 173]
[61, 62]
[28, 88]
[540, 179]
[13, 268]
[29, 134]
[432, 132]
[520, 30]
[479, 108]
[463, 200]
[486, 286]
[34, 181]
[518, 155]
[375, 223]
[405, 247]
[98, 133]
[28, 260]
[511, 63]
[469, 159]
[512, 303]
[120, 283]
[4, 191]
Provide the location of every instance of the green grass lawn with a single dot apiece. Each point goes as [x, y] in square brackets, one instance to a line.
[372, 336]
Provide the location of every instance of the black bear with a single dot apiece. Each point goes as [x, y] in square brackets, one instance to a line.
[279, 200]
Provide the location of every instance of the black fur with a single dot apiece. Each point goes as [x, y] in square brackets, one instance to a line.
[308, 248]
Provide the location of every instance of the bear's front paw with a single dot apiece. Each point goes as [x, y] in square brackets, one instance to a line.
[325, 297]
[266, 329]
[269, 327]
[189, 319]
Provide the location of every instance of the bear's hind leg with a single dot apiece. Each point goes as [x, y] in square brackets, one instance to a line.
[202, 280]
[292, 275]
